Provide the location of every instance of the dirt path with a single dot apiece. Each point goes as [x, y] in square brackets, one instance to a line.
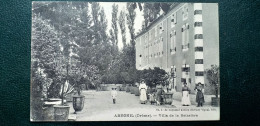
[99, 107]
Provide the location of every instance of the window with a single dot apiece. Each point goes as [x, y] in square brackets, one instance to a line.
[185, 37]
[157, 46]
[155, 31]
[161, 28]
[140, 61]
[150, 34]
[161, 45]
[185, 12]
[173, 20]
[146, 39]
[173, 42]
[158, 29]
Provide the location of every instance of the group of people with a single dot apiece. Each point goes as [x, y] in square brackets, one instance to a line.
[199, 95]
[157, 97]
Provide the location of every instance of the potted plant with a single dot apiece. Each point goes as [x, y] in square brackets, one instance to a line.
[78, 100]
[61, 111]
[84, 73]
[213, 78]
[137, 92]
[132, 90]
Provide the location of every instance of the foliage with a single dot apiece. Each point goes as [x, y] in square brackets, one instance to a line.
[153, 77]
[131, 21]
[121, 22]
[114, 25]
[47, 55]
[152, 11]
[212, 75]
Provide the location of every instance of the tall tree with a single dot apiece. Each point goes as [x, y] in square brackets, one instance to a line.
[121, 22]
[95, 10]
[47, 55]
[152, 11]
[114, 24]
[131, 21]
[103, 25]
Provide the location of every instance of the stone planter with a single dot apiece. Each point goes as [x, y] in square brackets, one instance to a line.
[132, 91]
[127, 89]
[118, 88]
[122, 88]
[48, 109]
[137, 92]
[61, 113]
[78, 103]
[168, 98]
[48, 112]
[215, 101]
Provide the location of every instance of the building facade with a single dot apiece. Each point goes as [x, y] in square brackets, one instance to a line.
[175, 42]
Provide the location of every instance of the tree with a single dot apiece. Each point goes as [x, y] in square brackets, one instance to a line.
[121, 22]
[103, 26]
[95, 11]
[212, 75]
[131, 21]
[47, 54]
[154, 76]
[114, 24]
[152, 11]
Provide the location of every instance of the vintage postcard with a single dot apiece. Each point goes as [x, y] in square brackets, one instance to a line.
[124, 61]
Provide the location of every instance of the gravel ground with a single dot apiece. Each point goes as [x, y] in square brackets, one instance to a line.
[99, 107]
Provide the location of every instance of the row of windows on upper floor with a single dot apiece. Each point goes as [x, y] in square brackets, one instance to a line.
[158, 29]
[185, 40]
[157, 50]
[173, 18]
[186, 26]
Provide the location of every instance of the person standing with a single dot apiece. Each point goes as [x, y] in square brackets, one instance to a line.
[185, 95]
[200, 96]
[143, 89]
[159, 92]
[114, 95]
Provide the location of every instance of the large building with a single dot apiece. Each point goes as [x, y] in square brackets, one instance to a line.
[185, 40]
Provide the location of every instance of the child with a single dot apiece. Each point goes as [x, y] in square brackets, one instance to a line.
[151, 98]
[114, 94]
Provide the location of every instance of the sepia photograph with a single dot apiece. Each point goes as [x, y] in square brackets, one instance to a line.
[124, 61]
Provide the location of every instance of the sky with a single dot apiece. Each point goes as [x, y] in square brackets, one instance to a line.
[121, 6]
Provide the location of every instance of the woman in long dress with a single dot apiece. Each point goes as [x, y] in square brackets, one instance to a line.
[159, 92]
[143, 89]
[185, 95]
[200, 96]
